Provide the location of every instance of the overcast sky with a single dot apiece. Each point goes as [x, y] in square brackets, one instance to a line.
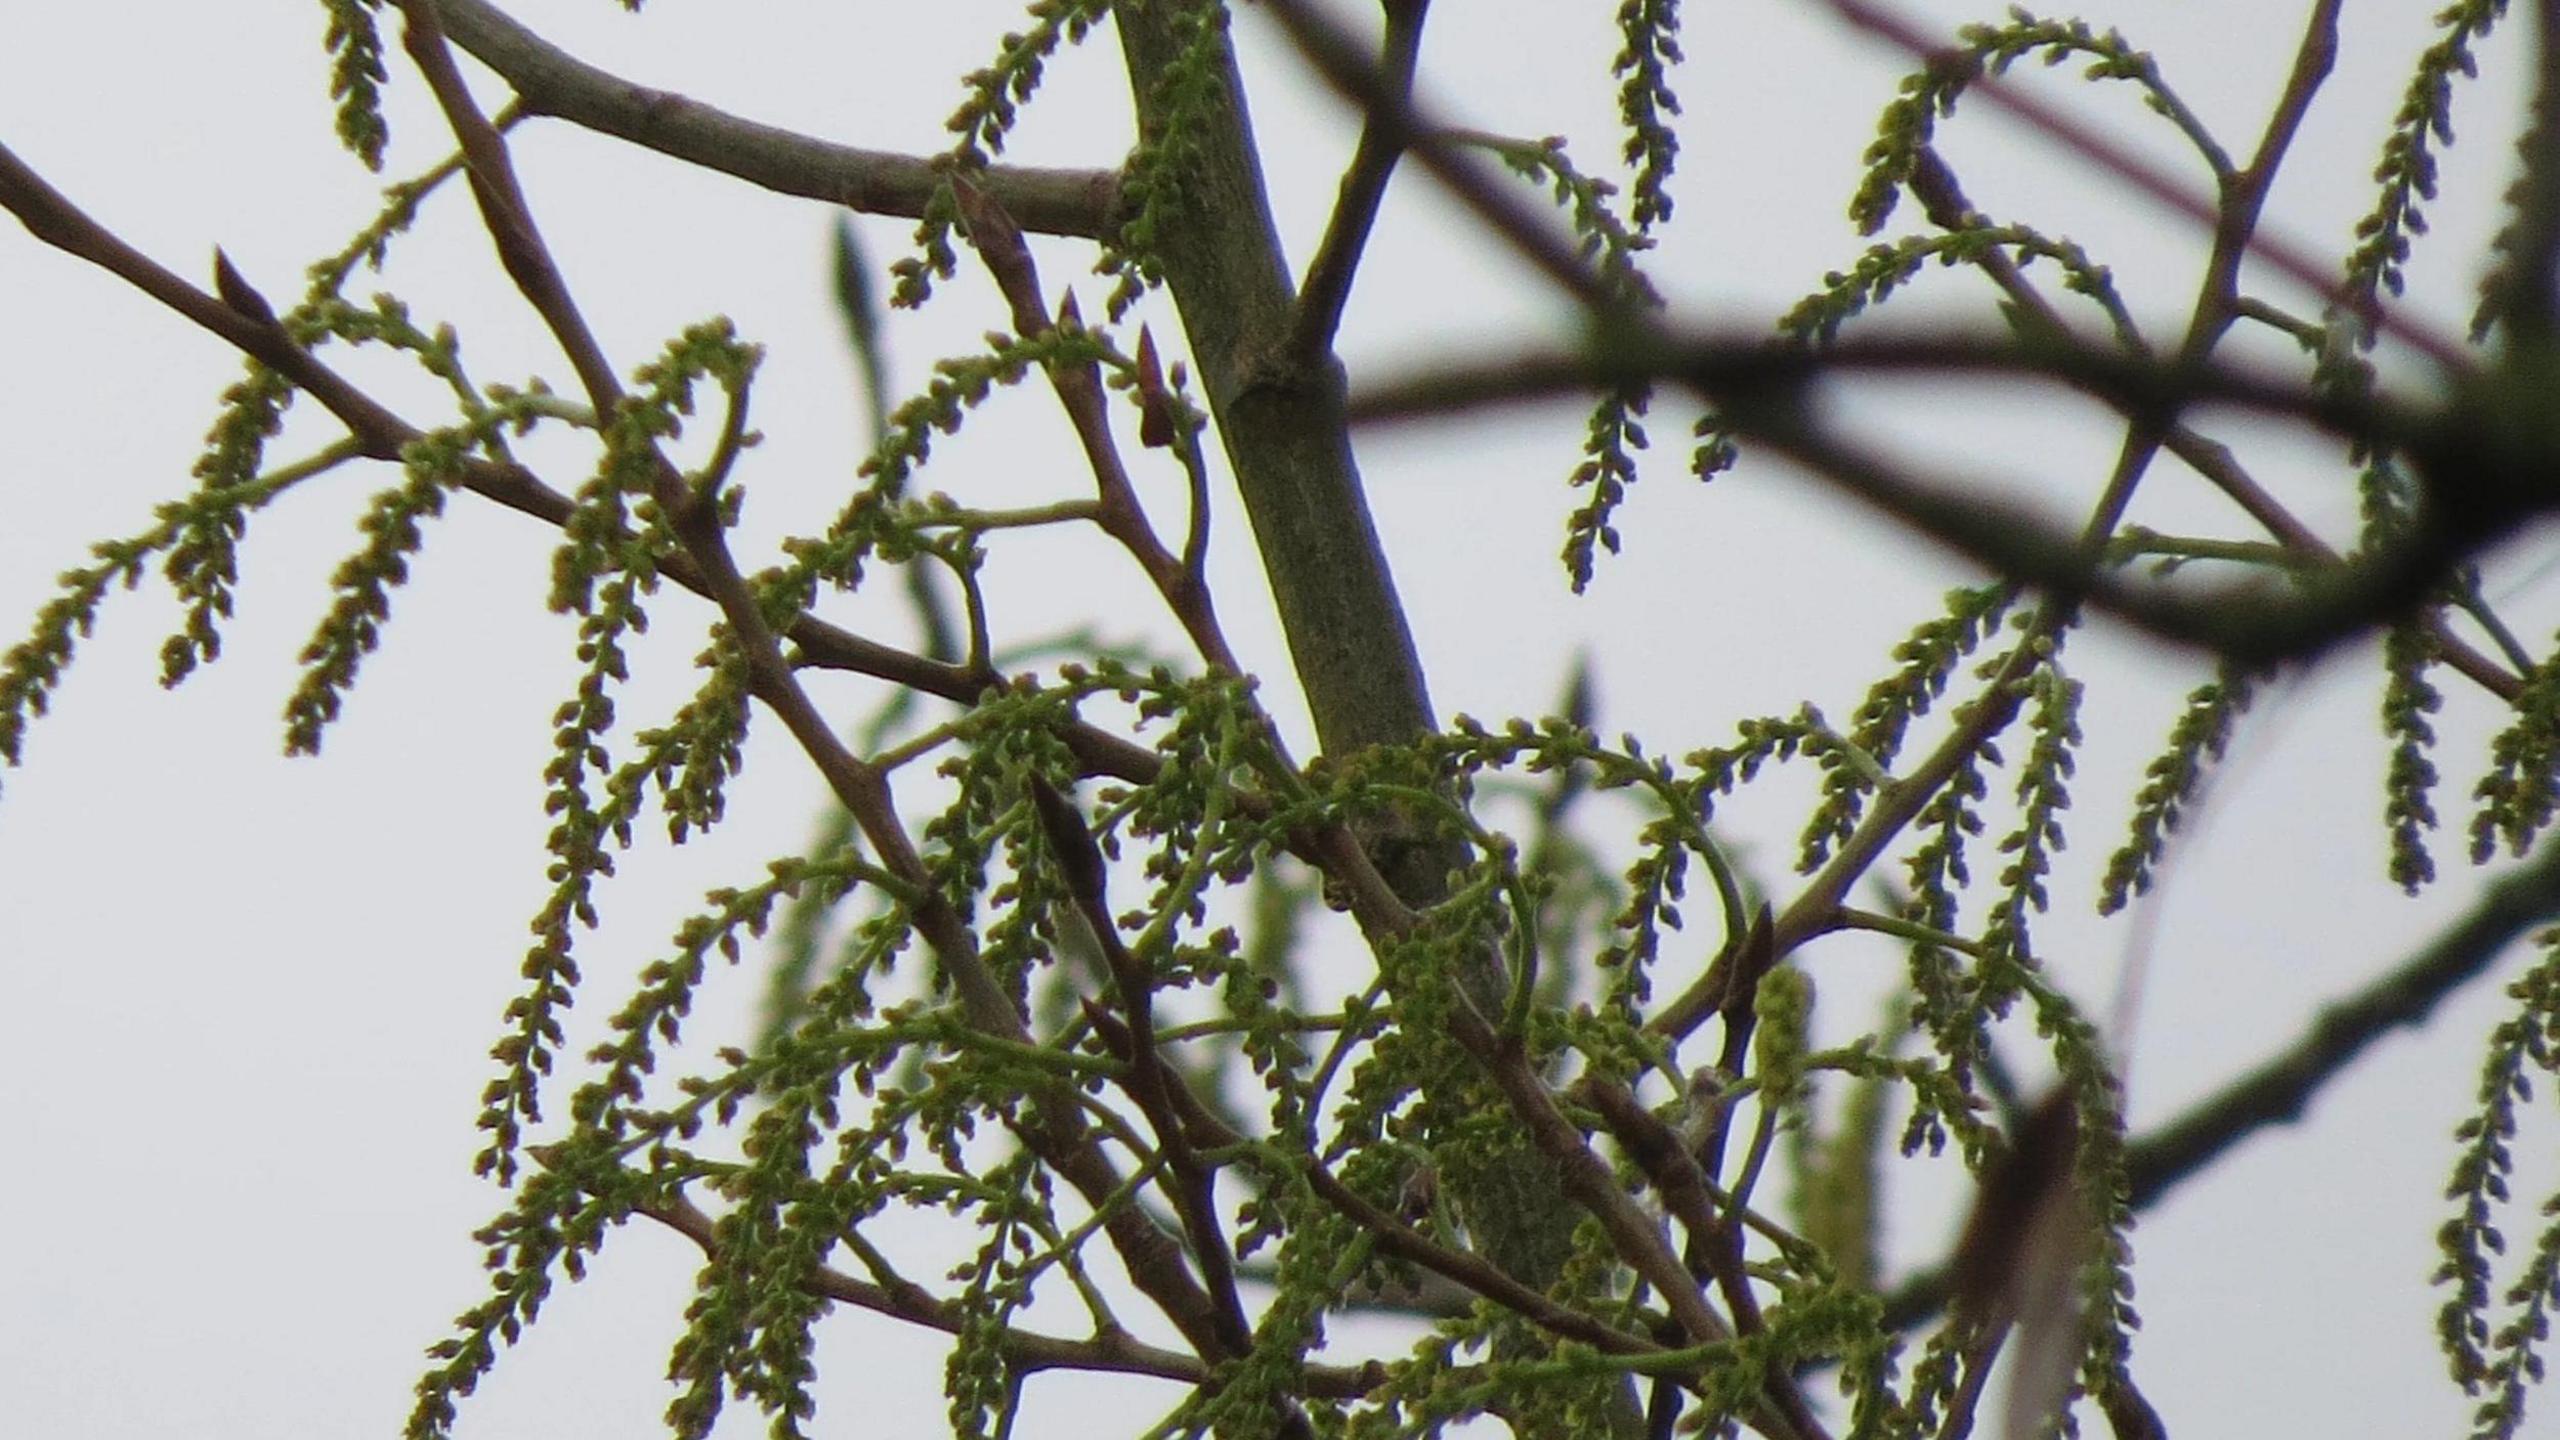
[250, 999]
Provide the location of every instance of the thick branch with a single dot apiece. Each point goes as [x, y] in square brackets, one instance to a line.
[1281, 421]
[551, 81]
[1280, 418]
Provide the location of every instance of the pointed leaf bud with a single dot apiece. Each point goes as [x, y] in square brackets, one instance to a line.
[238, 293]
[1155, 402]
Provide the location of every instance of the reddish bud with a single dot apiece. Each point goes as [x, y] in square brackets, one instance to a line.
[238, 293]
[1155, 402]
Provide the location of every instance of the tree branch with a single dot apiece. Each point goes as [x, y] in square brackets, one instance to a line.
[550, 81]
[1281, 421]
[1470, 1275]
[1027, 1351]
[1943, 199]
[1055, 1128]
[381, 435]
[2094, 145]
[1149, 1081]
[1364, 187]
[998, 240]
[248, 327]
[2280, 1090]
[1393, 115]
[2478, 492]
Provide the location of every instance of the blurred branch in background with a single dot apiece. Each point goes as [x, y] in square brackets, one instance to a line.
[1516, 1087]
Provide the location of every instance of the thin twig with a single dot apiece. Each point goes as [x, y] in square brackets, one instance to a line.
[1078, 385]
[2280, 1090]
[1399, 121]
[503, 209]
[1638, 1240]
[1942, 198]
[1327, 288]
[1056, 1131]
[2060, 126]
[1109, 1351]
[1150, 1081]
[53, 219]
[382, 435]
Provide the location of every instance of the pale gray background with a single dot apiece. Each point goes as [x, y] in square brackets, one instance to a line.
[247, 1000]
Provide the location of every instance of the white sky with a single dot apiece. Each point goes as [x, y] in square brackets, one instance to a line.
[249, 1000]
